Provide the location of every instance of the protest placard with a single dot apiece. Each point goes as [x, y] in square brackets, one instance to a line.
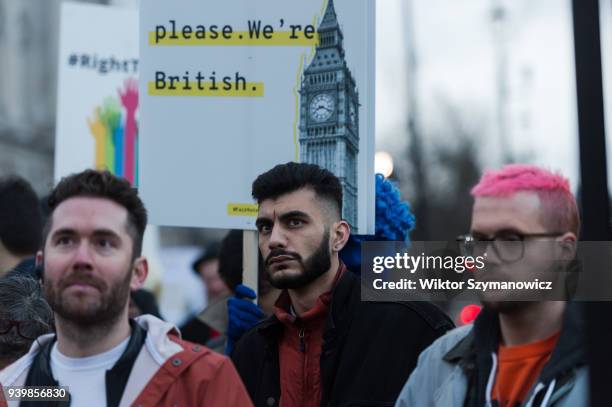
[97, 105]
[230, 90]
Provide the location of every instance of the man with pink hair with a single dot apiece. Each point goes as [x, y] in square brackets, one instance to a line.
[518, 352]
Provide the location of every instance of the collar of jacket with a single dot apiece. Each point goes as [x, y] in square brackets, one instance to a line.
[473, 353]
[40, 373]
[345, 295]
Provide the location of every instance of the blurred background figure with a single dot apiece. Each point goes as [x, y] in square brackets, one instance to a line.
[212, 326]
[24, 316]
[231, 271]
[20, 226]
[214, 317]
[206, 266]
[242, 312]
[143, 302]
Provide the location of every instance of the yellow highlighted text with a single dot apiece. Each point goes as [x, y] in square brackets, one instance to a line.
[236, 209]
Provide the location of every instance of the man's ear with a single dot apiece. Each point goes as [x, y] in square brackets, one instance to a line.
[140, 272]
[39, 258]
[568, 244]
[341, 231]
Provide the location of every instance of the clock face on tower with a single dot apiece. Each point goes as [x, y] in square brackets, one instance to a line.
[322, 107]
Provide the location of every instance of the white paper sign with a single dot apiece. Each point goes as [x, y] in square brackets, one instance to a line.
[97, 105]
[233, 88]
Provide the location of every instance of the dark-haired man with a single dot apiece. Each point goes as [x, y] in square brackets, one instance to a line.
[323, 346]
[92, 259]
[20, 226]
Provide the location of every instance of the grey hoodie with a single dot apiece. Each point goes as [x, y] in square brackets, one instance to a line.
[459, 368]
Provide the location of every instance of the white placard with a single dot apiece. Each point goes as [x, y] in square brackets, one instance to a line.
[97, 104]
[229, 90]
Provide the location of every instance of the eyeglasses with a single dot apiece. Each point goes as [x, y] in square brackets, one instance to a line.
[509, 247]
[26, 329]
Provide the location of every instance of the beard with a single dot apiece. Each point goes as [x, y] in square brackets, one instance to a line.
[507, 307]
[84, 309]
[312, 268]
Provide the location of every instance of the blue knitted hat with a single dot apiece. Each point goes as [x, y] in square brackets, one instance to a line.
[393, 222]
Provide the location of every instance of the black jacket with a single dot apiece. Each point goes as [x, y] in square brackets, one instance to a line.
[369, 349]
[196, 331]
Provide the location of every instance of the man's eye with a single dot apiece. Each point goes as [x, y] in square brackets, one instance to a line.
[509, 238]
[64, 241]
[264, 228]
[295, 222]
[104, 243]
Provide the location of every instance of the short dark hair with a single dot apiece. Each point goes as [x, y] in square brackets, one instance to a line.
[20, 217]
[231, 264]
[103, 184]
[289, 177]
[230, 259]
[21, 299]
[210, 252]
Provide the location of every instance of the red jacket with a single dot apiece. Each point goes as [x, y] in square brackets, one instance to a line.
[299, 350]
[167, 372]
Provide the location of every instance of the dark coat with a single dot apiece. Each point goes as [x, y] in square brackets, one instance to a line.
[369, 349]
[196, 331]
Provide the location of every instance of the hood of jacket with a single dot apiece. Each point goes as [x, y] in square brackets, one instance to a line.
[158, 348]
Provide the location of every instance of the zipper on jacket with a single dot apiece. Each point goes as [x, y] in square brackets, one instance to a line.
[302, 344]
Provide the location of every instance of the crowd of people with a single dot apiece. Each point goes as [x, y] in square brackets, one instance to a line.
[73, 312]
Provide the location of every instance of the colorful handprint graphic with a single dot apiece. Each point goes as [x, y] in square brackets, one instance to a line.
[129, 99]
[115, 132]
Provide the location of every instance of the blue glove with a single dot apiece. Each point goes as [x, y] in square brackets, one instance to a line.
[243, 314]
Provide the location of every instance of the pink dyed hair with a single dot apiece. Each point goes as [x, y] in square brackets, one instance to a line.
[559, 209]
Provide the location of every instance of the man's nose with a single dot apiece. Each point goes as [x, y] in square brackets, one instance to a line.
[278, 240]
[83, 255]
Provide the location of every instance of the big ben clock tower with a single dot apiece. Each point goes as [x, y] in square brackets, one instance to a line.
[329, 113]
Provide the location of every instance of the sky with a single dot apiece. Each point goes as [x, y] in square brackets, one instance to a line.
[457, 49]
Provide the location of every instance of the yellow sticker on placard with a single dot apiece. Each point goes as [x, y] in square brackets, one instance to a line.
[236, 209]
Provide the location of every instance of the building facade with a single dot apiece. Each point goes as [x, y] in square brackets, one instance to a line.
[329, 112]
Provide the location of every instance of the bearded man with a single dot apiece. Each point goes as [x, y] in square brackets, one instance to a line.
[92, 260]
[323, 346]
